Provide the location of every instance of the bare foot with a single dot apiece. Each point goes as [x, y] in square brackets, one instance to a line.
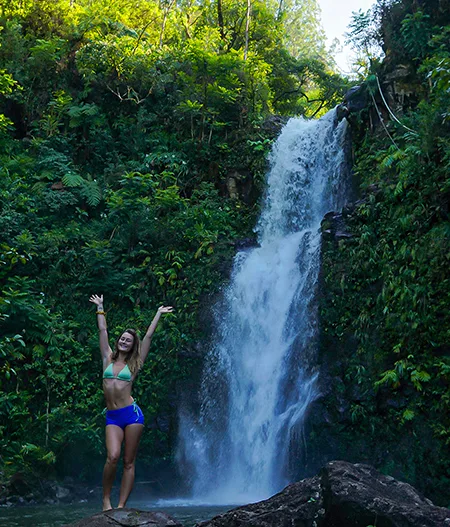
[120, 506]
[107, 504]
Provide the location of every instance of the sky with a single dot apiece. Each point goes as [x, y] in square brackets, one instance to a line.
[336, 16]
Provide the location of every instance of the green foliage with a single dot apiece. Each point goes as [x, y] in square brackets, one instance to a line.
[416, 31]
[388, 288]
[365, 39]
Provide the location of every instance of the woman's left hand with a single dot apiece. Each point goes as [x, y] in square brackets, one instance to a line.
[165, 309]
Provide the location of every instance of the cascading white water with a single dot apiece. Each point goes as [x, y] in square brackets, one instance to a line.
[258, 379]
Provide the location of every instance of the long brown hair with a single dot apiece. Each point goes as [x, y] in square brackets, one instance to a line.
[133, 359]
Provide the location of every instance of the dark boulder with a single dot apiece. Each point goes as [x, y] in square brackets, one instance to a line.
[127, 518]
[274, 124]
[245, 243]
[333, 227]
[355, 100]
[358, 496]
[342, 495]
[299, 504]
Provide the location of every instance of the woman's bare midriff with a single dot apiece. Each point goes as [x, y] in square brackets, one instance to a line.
[117, 393]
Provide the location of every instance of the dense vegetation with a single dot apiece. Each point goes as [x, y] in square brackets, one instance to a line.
[386, 296]
[133, 136]
[120, 124]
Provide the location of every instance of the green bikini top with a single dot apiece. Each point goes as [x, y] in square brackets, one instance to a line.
[123, 375]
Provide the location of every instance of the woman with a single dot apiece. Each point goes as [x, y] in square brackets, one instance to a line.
[124, 418]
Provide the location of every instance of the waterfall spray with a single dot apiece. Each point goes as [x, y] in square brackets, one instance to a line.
[259, 376]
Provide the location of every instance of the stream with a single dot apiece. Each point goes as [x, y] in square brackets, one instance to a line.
[58, 515]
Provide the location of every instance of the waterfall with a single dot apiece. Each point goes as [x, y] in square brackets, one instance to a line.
[259, 376]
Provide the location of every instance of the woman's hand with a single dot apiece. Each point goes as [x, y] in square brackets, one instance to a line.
[151, 329]
[97, 300]
[165, 309]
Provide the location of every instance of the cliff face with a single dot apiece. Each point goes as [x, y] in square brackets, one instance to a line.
[385, 284]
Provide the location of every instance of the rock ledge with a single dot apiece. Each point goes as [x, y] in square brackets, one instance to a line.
[342, 495]
[127, 518]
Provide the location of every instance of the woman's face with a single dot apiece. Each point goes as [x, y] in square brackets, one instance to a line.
[125, 343]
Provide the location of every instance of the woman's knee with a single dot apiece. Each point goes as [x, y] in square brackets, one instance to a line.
[113, 457]
[128, 464]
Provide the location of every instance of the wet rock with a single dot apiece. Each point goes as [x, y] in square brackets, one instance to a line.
[299, 504]
[232, 185]
[61, 492]
[239, 183]
[342, 111]
[245, 243]
[343, 494]
[333, 227]
[343, 235]
[163, 423]
[355, 99]
[357, 495]
[273, 124]
[127, 518]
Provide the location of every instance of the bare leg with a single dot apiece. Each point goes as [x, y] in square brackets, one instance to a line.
[114, 438]
[132, 437]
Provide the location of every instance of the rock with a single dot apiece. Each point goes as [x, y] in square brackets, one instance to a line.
[401, 72]
[19, 485]
[342, 495]
[358, 495]
[273, 124]
[343, 235]
[342, 111]
[239, 183]
[232, 186]
[299, 505]
[61, 492]
[333, 227]
[355, 99]
[127, 518]
[245, 243]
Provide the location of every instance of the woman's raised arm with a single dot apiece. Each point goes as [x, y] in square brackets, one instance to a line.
[102, 330]
[146, 341]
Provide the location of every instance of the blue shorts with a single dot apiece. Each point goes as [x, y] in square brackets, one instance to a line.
[128, 415]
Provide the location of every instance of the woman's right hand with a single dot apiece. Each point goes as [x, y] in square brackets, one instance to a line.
[97, 300]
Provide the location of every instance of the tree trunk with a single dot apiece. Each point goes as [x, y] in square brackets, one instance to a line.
[280, 9]
[247, 27]
[47, 416]
[220, 19]
[163, 25]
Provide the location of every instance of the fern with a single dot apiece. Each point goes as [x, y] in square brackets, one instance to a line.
[91, 191]
[389, 377]
[408, 415]
[71, 179]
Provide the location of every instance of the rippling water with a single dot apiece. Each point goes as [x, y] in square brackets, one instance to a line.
[57, 515]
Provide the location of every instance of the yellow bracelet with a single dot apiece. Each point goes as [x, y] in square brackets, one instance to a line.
[101, 313]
